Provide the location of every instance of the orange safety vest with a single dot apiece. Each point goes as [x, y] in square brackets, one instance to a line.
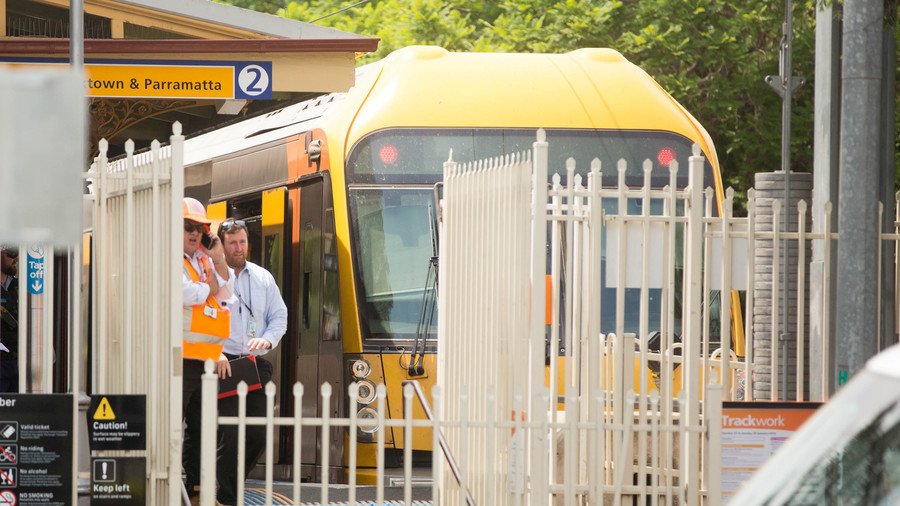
[206, 326]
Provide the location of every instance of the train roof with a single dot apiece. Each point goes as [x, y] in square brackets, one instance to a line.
[427, 86]
[422, 86]
[257, 130]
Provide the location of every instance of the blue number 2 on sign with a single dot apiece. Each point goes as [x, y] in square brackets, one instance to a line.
[253, 87]
[254, 81]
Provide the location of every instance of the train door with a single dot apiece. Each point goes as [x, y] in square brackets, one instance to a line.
[320, 354]
[273, 233]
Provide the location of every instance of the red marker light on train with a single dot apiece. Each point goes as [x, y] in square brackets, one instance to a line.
[665, 156]
[388, 154]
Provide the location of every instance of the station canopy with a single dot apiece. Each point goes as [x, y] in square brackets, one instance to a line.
[149, 63]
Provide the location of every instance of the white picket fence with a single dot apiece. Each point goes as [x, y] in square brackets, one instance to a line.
[136, 318]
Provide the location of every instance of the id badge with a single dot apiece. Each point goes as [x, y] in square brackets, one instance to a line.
[251, 328]
[210, 312]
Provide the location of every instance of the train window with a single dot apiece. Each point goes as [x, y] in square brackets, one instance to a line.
[418, 155]
[393, 240]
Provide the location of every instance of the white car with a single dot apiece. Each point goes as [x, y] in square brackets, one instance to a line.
[847, 454]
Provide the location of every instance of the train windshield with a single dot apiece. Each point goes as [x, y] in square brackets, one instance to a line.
[393, 236]
[390, 174]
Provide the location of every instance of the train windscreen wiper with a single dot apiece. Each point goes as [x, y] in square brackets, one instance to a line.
[429, 301]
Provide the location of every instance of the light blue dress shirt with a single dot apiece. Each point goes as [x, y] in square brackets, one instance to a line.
[256, 299]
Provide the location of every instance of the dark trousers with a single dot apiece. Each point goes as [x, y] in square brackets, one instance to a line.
[227, 465]
[9, 373]
[190, 409]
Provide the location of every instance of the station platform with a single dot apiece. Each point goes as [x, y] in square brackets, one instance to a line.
[311, 493]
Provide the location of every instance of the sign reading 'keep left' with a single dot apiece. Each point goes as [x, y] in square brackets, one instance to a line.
[118, 481]
[166, 79]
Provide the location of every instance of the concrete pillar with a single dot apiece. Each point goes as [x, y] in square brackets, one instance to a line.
[770, 188]
[856, 316]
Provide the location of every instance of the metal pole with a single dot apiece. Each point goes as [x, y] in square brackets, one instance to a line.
[76, 64]
[827, 125]
[24, 318]
[784, 85]
[888, 136]
[861, 113]
[48, 333]
[786, 167]
[39, 263]
[76, 34]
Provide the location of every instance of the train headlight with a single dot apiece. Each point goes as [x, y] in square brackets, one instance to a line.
[367, 420]
[360, 369]
[366, 392]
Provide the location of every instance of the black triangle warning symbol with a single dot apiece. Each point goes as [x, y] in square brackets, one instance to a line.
[104, 411]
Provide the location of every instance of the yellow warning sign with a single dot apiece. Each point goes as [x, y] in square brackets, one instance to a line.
[104, 411]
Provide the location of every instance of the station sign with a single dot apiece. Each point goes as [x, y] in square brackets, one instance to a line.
[36, 449]
[752, 432]
[35, 270]
[169, 79]
[118, 480]
[118, 422]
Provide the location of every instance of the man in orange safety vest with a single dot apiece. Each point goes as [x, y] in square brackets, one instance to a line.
[207, 282]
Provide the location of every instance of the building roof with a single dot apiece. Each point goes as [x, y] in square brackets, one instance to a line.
[98, 47]
[229, 15]
[303, 60]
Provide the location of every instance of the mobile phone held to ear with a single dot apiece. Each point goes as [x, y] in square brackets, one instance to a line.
[207, 239]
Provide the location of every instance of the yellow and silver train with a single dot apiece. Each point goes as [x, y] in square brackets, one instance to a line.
[338, 192]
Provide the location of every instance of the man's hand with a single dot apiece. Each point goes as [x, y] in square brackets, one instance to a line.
[215, 250]
[217, 253]
[258, 343]
[223, 367]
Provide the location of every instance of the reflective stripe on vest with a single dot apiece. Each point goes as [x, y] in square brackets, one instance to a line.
[206, 326]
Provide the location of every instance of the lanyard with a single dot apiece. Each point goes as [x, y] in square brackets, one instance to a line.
[249, 296]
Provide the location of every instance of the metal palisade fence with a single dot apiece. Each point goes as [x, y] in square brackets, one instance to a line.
[591, 421]
[136, 317]
[625, 401]
[483, 328]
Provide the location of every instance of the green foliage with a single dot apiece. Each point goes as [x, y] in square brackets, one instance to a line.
[711, 55]
[268, 6]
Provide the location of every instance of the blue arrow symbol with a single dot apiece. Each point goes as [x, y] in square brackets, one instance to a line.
[36, 286]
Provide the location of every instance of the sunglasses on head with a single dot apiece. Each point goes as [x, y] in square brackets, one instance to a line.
[231, 223]
[193, 226]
